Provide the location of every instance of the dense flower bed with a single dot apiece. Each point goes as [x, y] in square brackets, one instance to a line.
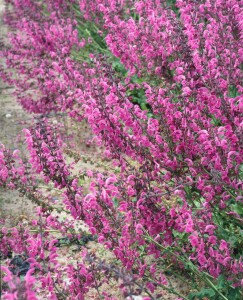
[160, 84]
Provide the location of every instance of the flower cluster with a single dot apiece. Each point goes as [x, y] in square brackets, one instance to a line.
[180, 177]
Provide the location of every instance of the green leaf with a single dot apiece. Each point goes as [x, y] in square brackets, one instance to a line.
[232, 91]
[234, 293]
[203, 293]
[115, 202]
[221, 282]
[241, 171]
[238, 208]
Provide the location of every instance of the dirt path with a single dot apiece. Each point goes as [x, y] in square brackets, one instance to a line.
[12, 120]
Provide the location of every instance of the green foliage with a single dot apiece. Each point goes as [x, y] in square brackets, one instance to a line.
[232, 91]
[241, 172]
[238, 208]
[82, 241]
[118, 67]
[223, 286]
[172, 5]
[138, 97]
[215, 121]
[203, 293]
[115, 202]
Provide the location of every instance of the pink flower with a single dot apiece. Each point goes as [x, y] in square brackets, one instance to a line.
[139, 229]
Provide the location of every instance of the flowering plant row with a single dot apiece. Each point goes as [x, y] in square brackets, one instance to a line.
[160, 85]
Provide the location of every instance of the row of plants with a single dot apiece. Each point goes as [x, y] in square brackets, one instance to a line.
[160, 85]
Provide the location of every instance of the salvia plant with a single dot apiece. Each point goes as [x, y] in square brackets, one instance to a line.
[160, 85]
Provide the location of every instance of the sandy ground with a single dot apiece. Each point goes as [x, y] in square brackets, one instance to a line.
[12, 120]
